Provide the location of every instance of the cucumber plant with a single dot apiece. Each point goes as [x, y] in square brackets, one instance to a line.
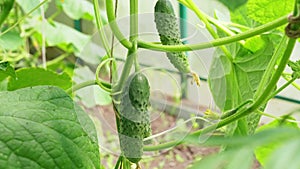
[252, 51]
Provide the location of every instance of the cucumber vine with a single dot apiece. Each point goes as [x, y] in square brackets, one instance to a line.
[265, 89]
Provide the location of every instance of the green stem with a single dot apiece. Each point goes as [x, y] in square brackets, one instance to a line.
[236, 25]
[24, 17]
[217, 42]
[57, 59]
[99, 81]
[210, 29]
[53, 16]
[220, 26]
[275, 117]
[80, 86]
[118, 163]
[283, 62]
[99, 23]
[281, 88]
[113, 25]
[271, 67]
[132, 51]
[294, 84]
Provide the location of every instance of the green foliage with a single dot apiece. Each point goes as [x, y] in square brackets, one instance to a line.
[232, 83]
[28, 77]
[41, 127]
[264, 152]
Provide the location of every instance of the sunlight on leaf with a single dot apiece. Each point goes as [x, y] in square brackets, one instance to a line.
[265, 11]
[28, 77]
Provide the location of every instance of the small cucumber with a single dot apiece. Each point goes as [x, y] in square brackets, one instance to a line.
[168, 29]
[134, 124]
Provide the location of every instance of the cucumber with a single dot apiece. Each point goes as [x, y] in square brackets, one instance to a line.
[169, 33]
[134, 124]
[5, 7]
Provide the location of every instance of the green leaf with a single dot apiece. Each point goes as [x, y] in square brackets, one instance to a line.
[6, 70]
[41, 127]
[233, 83]
[240, 16]
[287, 156]
[264, 152]
[221, 81]
[11, 41]
[265, 11]
[233, 4]
[81, 9]
[28, 77]
[254, 43]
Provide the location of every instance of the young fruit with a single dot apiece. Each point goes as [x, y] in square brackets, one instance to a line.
[168, 29]
[134, 124]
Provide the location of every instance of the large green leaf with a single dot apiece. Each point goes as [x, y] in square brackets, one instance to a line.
[233, 83]
[240, 16]
[28, 77]
[221, 81]
[265, 11]
[41, 127]
[264, 152]
[289, 153]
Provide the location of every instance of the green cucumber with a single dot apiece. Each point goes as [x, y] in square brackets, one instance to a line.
[169, 33]
[168, 29]
[5, 7]
[134, 124]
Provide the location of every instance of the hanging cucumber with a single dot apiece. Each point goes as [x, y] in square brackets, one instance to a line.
[168, 29]
[134, 124]
[5, 7]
